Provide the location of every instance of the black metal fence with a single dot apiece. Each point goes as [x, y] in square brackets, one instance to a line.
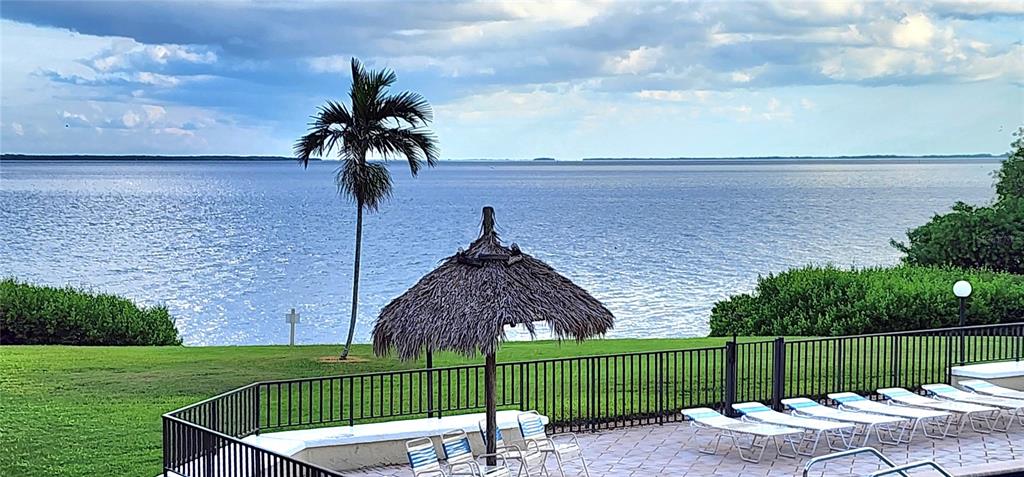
[577, 394]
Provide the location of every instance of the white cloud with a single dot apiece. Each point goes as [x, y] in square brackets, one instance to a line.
[741, 77]
[675, 96]
[154, 113]
[18, 129]
[913, 31]
[639, 60]
[74, 119]
[130, 119]
[808, 104]
[128, 54]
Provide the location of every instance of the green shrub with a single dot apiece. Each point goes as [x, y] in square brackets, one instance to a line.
[826, 301]
[32, 314]
[971, 237]
[989, 237]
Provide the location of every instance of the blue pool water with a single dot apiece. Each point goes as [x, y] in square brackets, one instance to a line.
[229, 247]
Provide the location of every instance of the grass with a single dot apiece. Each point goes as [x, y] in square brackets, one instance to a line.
[84, 411]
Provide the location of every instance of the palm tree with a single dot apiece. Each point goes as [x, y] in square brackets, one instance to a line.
[381, 124]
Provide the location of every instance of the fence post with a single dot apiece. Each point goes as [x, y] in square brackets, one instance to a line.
[779, 373]
[590, 393]
[1018, 342]
[963, 357]
[840, 366]
[659, 404]
[949, 356]
[256, 413]
[730, 377]
[896, 361]
[167, 444]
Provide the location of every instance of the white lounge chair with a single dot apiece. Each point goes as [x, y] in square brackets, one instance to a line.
[985, 387]
[980, 417]
[702, 418]
[1012, 408]
[424, 462]
[936, 421]
[530, 459]
[837, 434]
[882, 427]
[561, 446]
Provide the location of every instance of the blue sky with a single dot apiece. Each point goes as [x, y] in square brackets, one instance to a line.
[520, 79]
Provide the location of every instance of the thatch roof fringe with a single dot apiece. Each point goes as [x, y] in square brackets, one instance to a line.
[465, 303]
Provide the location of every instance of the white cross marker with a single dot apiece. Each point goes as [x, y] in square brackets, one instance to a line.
[291, 318]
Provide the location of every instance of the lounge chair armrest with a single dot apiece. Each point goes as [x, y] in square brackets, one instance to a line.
[472, 467]
[511, 449]
[565, 436]
[498, 457]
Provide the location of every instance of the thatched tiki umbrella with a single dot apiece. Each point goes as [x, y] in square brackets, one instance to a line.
[466, 302]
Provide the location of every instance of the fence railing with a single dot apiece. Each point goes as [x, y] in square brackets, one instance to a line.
[577, 394]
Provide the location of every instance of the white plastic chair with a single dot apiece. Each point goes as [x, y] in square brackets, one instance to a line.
[530, 459]
[985, 387]
[882, 427]
[837, 434]
[1012, 408]
[459, 458]
[981, 418]
[934, 424]
[703, 419]
[561, 446]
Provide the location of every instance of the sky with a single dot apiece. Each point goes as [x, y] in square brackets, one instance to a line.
[519, 79]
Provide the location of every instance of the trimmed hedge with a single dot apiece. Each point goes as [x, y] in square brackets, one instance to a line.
[32, 314]
[827, 301]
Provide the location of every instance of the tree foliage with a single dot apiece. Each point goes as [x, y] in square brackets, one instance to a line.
[990, 237]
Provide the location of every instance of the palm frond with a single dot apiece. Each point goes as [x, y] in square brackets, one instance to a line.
[368, 183]
[406, 106]
[310, 145]
[414, 144]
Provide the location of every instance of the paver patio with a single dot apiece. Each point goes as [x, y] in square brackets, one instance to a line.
[671, 450]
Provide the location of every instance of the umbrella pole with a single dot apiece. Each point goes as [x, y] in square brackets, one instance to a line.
[492, 411]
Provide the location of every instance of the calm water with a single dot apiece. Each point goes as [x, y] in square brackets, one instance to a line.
[230, 247]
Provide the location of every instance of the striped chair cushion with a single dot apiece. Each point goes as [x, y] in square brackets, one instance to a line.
[423, 458]
[456, 448]
[531, 427]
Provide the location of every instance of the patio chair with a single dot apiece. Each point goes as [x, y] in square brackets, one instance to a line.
[424, 462]
[866, 424]
[1012, 408]
[837, 435]
[561, 446]
[761, 435]
[963, 413]
[985, 387]
[530, 459]
[936, 421]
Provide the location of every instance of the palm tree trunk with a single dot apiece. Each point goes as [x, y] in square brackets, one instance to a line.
[355, 281]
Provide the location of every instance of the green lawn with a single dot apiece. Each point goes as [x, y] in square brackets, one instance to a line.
[85, 411]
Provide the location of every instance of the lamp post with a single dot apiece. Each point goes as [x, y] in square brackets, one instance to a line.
[962, 290]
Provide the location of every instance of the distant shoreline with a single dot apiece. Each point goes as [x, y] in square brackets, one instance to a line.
[133, 158]
[873, 158]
